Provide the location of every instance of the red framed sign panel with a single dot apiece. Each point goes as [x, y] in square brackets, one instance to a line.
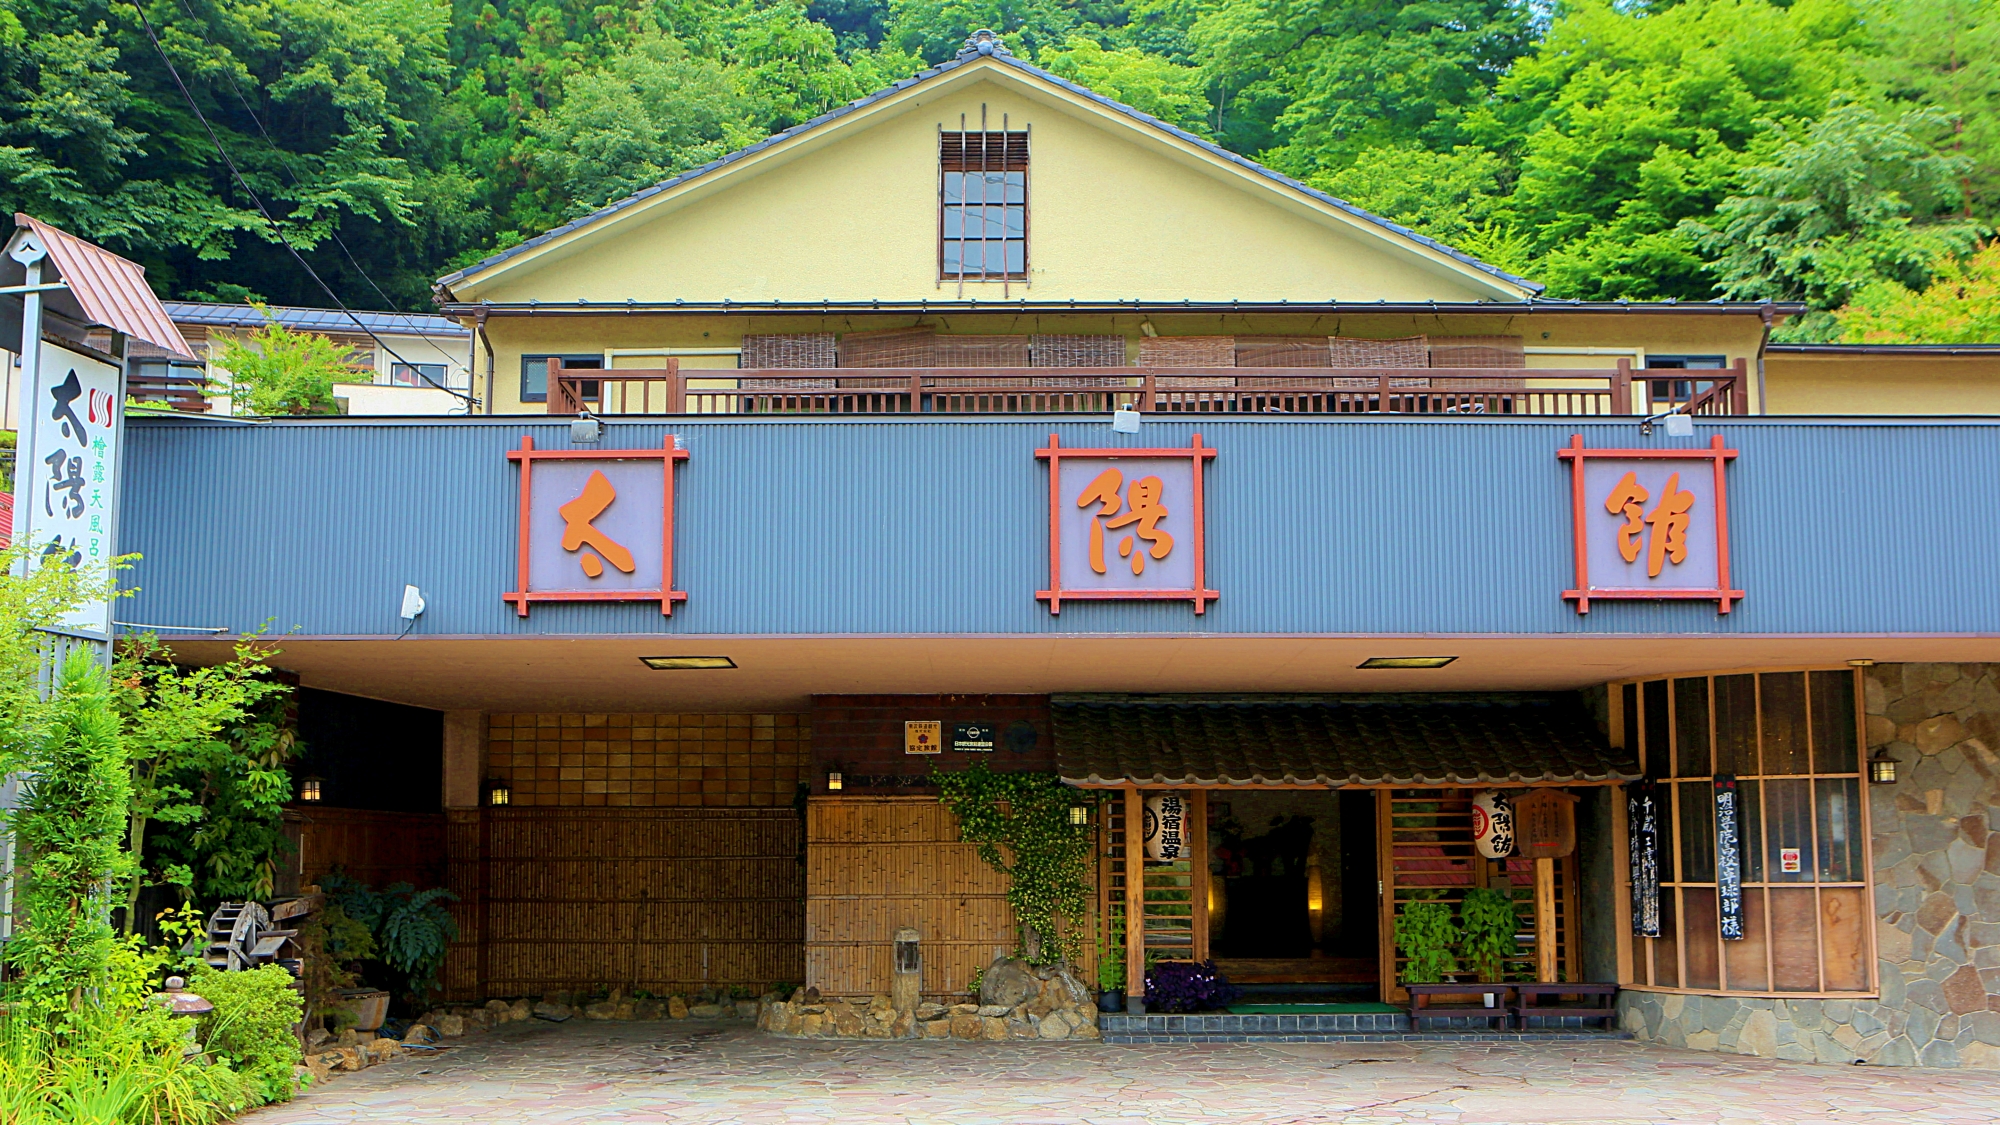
[597, 525]
[1127, 524]
[1650, 523]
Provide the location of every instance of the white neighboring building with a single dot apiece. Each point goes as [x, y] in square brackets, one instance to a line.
[403, 375]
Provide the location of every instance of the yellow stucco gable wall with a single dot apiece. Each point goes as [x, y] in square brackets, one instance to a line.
[1117, 210]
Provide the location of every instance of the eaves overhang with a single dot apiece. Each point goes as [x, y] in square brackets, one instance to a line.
[1106, 307]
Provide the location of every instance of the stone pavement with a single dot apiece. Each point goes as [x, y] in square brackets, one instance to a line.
[725, 1073]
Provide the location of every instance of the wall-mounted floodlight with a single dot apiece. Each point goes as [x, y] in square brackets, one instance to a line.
[588, 429]
[413, 603]
[1124, 421]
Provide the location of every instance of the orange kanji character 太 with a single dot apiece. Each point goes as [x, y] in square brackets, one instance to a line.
[1629, 499]
[578, 531]
[1669, 519]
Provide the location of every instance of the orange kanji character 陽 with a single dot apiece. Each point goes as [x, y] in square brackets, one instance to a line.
[578, 531]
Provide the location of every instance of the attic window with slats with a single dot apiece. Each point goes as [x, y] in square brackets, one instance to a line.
[983, 205]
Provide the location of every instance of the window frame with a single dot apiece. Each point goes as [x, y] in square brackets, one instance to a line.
[1637, 963]
[539, 362]
[438, 372]
[1026, 164]
[1680, 390]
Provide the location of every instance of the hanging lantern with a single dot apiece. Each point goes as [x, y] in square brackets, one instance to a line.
[1315, 898]
[1882, 768]
[312, 789]
[1493, 824]
[498, 792]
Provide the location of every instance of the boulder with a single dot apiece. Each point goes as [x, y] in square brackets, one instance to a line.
[317, 1066]
[350, 1059]
[499, 1011]
[677, 1007]
[647, 1009]
[602, 1010]
[382, 1050]
[812, 1024]
[929, 1011]
[991, 1010]
[904, 1026]
[1053, 1027]
[847, 1022]
[965, 1026]
[1008, 982]
[704, 1011]
[1087, 1030]
[419, 1034]
[317, 1038]
[746, 1009]
[993, 1029]
[1021, 1029]
[451, 1025]
[935, 1029]
[551, 1011]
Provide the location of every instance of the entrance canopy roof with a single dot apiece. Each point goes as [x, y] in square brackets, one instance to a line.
[1332, 740]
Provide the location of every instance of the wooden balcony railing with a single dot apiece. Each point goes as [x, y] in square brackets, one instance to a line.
[1220, 390]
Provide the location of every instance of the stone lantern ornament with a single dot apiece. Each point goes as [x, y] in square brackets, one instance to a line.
[906, 986]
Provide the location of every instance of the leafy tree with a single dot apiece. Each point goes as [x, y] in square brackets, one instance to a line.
[250, 1029]
[935, 30]
[1453, 197]
[1836, 206]
[1960, 306]
[71, 828]
[1148, 83]
[1946, 54]
[279, 371]
[207, 747]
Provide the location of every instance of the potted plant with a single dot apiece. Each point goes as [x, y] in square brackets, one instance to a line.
[1187, 986]
[1426, 936]
[1111, 968]
[1488, 922]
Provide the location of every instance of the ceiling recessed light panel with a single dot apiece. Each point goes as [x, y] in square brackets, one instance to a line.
[1406, 661]
[684, 663]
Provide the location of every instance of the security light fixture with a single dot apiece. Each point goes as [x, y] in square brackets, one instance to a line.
[685, 663]
[833, 781]
[586, 430]
[312, 789]
[1406, 662]
[1882, 768]
[498, 793]
[1124, 421]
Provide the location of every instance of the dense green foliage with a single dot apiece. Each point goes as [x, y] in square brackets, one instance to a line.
[251, 1027]
[1020, 822]
[1427, 935]
[1488, 919]
[405, 930]
[1609, 148]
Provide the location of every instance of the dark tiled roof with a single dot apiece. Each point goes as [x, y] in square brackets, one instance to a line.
[1332, 740]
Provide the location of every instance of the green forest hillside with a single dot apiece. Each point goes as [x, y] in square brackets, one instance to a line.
[1841, 152]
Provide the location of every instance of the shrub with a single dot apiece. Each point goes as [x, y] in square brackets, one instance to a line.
[412, 929]
[251, 1026]
[1187, 986]
[1426, 934]
[1490, 921]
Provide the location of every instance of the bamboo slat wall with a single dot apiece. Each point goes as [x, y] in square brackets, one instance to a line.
[664, 900]
[639, 760]
[877, 864]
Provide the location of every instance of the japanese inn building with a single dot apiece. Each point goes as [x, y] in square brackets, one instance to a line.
[985, 419]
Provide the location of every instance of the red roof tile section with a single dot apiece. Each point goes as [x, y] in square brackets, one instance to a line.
[112, 290]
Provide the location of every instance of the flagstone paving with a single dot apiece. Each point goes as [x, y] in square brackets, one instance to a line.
[719, 1074]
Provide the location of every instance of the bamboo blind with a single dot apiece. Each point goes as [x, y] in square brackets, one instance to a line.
[1478, 351]
[1077, 351]
[666, 900]
[1426, 854]
[979, 351]
[1406, 351]
[1187, 351]
[893, 347]
[794, 349]
[877, 864]
[649, 759]
[1282, 351]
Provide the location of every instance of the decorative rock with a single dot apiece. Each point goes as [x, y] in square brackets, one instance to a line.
[647, 1009]
[451, 1025]
[935, 1029]
[992, 1028]
[847, 1022]
[1053, 1027]
[704, 1011]
[350, 1059]
[317, 1066]
[746, 1009]
[317, 1037]
[929, 1011]
[1086, 1030]
[419, 1034]
[550, 1010]
[990, 1010]
[522, 1009]
[382, 1050]
[965, 1026]
[677, 1007]
[602, 1010]
[1008, 982]
[499, 1011]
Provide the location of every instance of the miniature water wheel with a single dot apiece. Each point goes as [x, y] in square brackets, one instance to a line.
[240, 936]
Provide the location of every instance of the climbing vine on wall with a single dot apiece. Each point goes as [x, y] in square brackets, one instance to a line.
[1020, 823]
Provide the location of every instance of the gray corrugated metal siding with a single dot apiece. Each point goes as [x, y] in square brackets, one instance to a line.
[823, 526]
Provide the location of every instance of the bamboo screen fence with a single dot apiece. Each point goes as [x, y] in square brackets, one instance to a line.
[377, 848]
[665, 900]
[877, 864]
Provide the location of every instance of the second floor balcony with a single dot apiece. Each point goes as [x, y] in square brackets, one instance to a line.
[1612, 391]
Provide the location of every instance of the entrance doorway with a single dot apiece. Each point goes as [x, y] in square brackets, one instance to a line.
[1293, 903]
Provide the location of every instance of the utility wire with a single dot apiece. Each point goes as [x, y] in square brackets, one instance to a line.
[286, 164]
[277, 230]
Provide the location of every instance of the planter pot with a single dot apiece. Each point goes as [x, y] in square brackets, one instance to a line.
[1111, 1001]
[369, 1005]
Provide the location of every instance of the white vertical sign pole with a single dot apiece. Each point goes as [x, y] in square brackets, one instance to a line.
[28, 251]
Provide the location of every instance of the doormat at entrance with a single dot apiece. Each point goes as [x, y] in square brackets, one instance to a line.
[1308, 1009]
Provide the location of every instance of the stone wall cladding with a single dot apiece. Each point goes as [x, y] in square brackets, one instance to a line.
[1937, 898]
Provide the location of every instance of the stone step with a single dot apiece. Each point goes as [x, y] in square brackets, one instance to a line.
[1224, 1027]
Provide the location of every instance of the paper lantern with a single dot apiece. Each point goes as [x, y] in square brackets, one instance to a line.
[1493, 824]
[1166, 827]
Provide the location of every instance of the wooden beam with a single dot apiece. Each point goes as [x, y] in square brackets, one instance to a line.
[1198, 869]
[1546, 964]
[1385, 885]
[1135, 893]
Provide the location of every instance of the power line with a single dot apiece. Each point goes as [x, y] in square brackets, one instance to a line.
[277, 230]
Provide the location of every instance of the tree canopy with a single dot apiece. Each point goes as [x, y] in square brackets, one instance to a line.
[1817, 150]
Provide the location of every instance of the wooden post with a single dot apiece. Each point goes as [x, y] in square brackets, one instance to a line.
[1739, 391]
[1135, 892]
[1197, 829]
[1149, 397]
[1385, 885]
[554, 395]
[1621, 388]
[1545, 921]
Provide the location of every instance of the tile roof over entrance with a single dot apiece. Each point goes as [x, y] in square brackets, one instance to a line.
[1332, 740]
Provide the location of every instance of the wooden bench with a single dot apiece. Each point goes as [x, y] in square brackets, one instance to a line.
[1421, 1010]
[1600, 1001]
